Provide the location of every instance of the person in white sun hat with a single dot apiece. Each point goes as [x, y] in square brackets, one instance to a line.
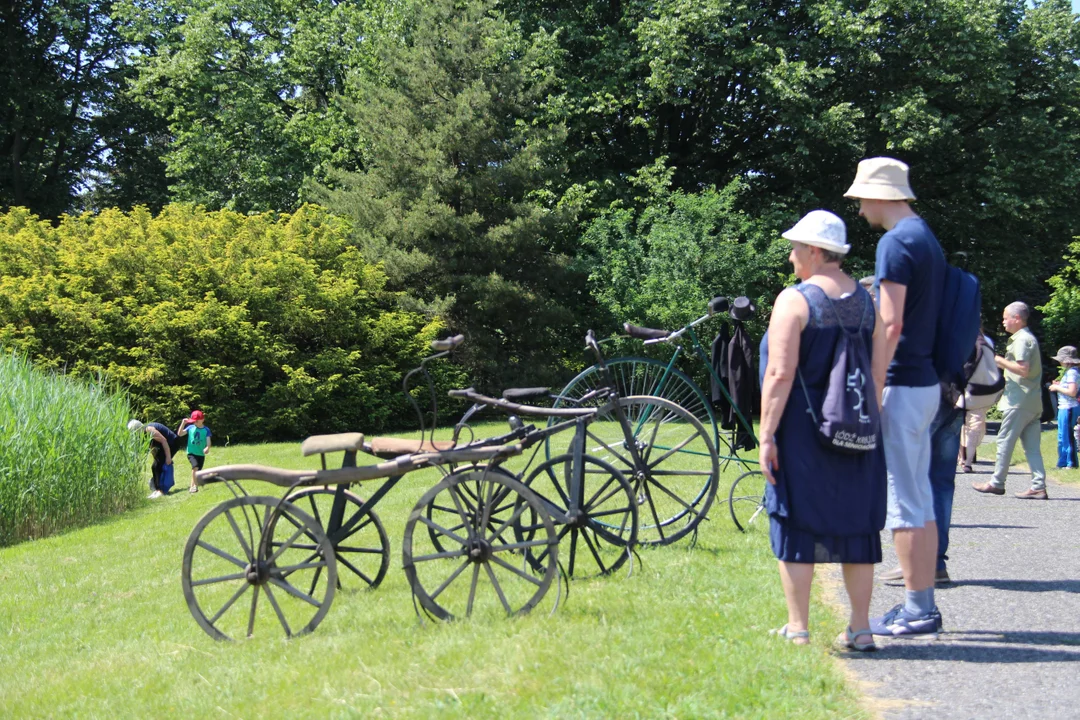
[824, 506]
[910, 271]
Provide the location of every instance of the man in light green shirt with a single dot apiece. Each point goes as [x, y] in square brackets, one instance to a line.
[1021, 406]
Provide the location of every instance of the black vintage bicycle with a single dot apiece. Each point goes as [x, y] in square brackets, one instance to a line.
[253, 547]
[665, 455]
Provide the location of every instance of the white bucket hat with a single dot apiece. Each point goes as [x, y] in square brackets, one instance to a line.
[822, 229]
[881, 178]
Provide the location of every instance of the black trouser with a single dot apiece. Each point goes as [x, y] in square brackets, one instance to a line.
[156, 468]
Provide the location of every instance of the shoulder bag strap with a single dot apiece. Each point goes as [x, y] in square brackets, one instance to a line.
[809, 405]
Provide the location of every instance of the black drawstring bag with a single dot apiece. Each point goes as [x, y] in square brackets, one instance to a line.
[849, 419]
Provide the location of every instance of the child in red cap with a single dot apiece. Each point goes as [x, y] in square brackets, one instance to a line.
[198, 443]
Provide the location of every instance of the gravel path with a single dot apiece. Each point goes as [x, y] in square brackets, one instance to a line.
[1011, 646]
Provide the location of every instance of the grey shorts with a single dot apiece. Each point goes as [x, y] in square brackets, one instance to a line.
[905, 427]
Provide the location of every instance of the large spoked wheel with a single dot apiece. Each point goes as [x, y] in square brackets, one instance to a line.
[229, 566]
[598, 531]
[446, 516]
[645, 376]
[673, 467]
[747, 501]
[482, 569]
[360, 543]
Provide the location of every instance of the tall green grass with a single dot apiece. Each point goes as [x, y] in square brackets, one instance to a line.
[66, 456]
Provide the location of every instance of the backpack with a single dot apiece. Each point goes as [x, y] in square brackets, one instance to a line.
[167, 479]
[849, 419]
[957, 325]
[984, 379]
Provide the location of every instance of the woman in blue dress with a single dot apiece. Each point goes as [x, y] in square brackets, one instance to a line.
[824, 506]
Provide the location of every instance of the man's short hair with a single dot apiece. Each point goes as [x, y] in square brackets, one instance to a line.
[1019, 309]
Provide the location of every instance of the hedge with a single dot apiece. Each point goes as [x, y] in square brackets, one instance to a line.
[273, 324]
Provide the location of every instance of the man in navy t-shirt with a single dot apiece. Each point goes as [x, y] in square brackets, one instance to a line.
[910, 271]
[164, 443]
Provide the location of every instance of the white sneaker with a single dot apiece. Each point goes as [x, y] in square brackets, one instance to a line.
[154, 495]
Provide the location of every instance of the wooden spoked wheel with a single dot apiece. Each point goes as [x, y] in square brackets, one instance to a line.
[360, 544]
[446, 516]
[235, 578]
[480, 569]
[596, 536]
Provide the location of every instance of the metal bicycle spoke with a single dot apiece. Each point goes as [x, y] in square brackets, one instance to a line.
[212, 586]
[675, 498]
[602, 523]
[607, 446]
[676, 470]
[746, 501]
[455, 577]
[646, 376]
[669, 452]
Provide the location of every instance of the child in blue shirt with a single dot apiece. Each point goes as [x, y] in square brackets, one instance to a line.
[1068, 406]
[198, 443]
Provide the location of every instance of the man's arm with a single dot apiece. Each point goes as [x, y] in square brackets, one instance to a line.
[891, 305]
[1021, 366]
[879, 366]
[160, 439]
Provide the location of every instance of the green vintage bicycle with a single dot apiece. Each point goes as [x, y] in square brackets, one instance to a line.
[634, 375]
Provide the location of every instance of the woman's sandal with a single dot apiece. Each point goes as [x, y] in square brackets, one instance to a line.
[792, 636]
[849, 636]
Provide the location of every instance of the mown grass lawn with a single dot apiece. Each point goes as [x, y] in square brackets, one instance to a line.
[93, 624]
[1049, 447]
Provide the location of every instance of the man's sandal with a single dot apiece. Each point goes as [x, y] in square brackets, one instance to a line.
[792, 636]
[848, 639]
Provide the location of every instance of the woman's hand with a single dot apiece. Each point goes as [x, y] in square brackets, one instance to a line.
[769, 458]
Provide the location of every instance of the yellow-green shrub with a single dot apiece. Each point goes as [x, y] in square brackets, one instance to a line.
[272, 324]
